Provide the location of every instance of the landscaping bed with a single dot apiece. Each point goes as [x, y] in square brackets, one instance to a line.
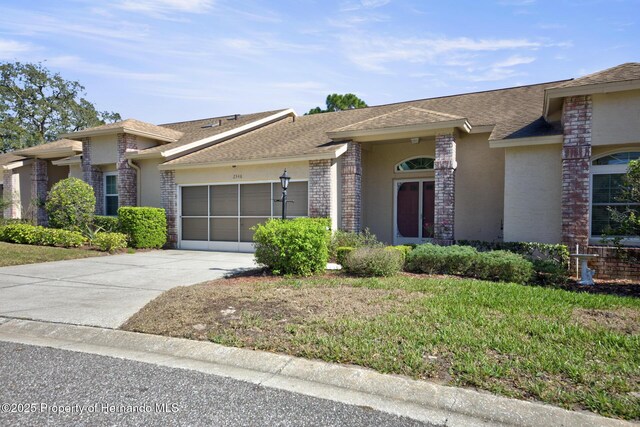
[15, 254]
[573, 349]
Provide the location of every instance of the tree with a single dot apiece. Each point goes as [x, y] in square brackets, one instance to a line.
[337, 102]
[70, 205]
[37, 105]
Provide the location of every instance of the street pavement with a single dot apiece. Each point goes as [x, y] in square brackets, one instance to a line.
[56, 385]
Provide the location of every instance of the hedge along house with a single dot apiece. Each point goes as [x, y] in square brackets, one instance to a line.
[532, 163]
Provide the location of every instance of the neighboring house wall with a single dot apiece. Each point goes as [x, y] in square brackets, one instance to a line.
[150, 194]
[378, 176]
[532, 194]
[616, 118]
[480, 179]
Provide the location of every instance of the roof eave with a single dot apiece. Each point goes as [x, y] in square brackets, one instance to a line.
[122, 129]
[17, 164]
[527, 141]
[587, 89]
[462, 124]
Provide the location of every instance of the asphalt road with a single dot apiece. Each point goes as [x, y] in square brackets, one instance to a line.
[60, 388]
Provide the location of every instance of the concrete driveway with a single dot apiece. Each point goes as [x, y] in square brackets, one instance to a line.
[106, 291]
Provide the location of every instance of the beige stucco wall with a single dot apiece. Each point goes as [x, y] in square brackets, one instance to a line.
[479, 189]
[533, 194]
[104, 149]
[149, 183]
[599, 150]
[479, 185]
[616, 118]
[24, 181]
[243, 173]
[378, 175]
[55, 174]
[75, 171]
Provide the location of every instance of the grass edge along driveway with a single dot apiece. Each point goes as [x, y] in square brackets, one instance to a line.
[575, 350]
[15, 254]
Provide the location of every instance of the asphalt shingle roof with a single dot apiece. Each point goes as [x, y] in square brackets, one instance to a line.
[135, 125]
[51, 146]
[7, 158]
[514, 113]
[619, 73]
[402, 117]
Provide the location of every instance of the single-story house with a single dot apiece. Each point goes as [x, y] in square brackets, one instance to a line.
[537, 163]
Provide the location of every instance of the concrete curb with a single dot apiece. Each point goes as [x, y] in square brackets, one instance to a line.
[419, 400]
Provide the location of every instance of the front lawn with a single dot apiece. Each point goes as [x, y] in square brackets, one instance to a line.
[576, 350]
[14, 254]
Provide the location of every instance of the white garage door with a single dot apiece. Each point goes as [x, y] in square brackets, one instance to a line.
[220, 217]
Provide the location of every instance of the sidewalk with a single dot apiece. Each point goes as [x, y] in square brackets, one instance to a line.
[418, 400]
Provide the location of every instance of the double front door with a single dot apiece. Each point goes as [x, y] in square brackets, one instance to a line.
[414, 210]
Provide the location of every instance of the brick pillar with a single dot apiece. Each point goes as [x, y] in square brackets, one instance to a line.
[576, 155]
[320, 184]
[445, 188]
[169, 194]
[92, 175]
[39, 183]
[11, 194]
[127, 176]
[352, 188]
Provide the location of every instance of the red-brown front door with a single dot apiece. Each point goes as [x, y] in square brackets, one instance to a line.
[414, 211]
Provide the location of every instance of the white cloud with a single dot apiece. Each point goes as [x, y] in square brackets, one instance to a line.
[76, 63]
[10, 49]
[369, 4]
[514, 60]
[161, 7]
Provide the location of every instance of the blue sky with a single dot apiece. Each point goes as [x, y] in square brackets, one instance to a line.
[171, 60]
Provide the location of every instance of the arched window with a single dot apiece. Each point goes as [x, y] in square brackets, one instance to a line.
[607, 188]
[415, 164]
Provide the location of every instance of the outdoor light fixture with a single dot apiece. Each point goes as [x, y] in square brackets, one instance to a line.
[284, 180]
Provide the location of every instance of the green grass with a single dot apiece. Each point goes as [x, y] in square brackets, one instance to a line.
[575, 350]
[14, 254]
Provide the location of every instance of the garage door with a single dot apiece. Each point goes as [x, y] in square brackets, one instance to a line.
[220, 217]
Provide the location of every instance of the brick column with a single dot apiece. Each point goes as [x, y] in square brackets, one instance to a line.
[92, 175]
[352, 188]
[320, 184]
[127, 176]
[445, 188]
[39, 183]
[11, 194]
[576, 155]
[169, 194]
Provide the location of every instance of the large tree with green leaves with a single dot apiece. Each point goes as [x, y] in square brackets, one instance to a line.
[37, 105]
[337, 102]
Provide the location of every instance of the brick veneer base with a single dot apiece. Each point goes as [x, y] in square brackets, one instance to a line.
[352, 188]
[614, 263]
[169, 193]
[320, 188]
[39, 182]
[127, 176]
[445, 188]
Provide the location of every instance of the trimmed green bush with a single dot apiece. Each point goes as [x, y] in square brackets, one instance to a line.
[110, 242]
[297, 246]
[556, 253]
[71, 205]
[548, 272]
[145, 227]
[107, 224]
[348, 239]
[341, 254]
[374, 262]
[502, 266]
[36, 235]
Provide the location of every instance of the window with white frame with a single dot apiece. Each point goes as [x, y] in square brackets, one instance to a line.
[111, 194]
[607, 189]
[415, 164]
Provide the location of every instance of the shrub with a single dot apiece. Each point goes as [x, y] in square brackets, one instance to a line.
[502, 266]
[109, 242]
[402, 250]
[556, 253]
[71, 205]
[297, 246]
[145, 227]
[369, 262]
[434, 259]
[549, 273]
[36, 235]
[341, 254]
[108, 224]
[349, 239]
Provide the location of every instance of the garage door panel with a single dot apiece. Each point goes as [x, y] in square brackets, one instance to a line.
[246, 233]
[224, 200]
[255, 200]
[297, 193]
[195, 201]
[194, 229]
[224, 229]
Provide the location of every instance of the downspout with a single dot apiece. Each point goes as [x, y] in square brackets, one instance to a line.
[138, 178]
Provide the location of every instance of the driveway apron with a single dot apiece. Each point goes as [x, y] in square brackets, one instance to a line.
[106, 291]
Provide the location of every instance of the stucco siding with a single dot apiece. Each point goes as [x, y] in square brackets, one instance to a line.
[24, 181]
[243, 173]
[479, 202]
[55, 174]
[616, 118]
[75, 171]
[533, 194]
[104, 149]
[149, 183]
[378, 175]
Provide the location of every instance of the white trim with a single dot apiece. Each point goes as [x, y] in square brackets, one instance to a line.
[17, 164]
[408, 240]
[122, 129]
[587, 89]
[230, 133]
[524, 142]
[482, 129]
[73, 160]
[423, 127]
[270, 160]
[395, 167]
